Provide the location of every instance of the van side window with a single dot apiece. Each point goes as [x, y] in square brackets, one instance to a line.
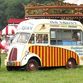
[41, 38]
[32, 39]
[53, 37]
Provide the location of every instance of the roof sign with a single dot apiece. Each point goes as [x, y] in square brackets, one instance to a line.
[63, 22]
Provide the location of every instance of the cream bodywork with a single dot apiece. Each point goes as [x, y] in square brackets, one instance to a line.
[23, 55]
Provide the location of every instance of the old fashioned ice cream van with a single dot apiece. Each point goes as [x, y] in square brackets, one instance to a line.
[46, 43]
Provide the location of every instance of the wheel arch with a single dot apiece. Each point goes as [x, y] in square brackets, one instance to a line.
[35, 58]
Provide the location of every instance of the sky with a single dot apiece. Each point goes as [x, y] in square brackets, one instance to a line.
[78, 2]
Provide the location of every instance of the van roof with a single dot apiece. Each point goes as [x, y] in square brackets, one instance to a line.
[43, 25]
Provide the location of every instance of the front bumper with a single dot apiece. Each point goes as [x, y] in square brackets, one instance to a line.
[13, 63]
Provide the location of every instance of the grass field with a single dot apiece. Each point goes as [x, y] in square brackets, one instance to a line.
[57, 75]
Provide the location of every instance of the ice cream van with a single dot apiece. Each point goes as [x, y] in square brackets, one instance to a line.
[46, 43]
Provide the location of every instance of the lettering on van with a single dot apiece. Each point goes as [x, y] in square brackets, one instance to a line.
[63, 22]
[78, 50]
[27, 28]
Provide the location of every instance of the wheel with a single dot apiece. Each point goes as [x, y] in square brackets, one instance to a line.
[71, 64]
[32, 65]
[9, 68]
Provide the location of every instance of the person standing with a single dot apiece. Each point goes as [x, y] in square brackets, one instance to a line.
[1, 47]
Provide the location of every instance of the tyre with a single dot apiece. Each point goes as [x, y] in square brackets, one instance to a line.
[32, 65]
[71, 63]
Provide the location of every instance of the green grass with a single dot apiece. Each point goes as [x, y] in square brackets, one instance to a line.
[58, 75]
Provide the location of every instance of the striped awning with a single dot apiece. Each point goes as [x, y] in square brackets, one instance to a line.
[9, 30]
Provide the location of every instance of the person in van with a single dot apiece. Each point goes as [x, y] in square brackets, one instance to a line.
[75, 36]
[39, 38]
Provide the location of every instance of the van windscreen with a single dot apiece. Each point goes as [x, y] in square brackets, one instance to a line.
[21, 38]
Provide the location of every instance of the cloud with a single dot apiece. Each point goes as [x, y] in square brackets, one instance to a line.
[78, 2]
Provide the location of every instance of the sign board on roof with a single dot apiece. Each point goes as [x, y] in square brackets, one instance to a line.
[63, 22]
[25, 26]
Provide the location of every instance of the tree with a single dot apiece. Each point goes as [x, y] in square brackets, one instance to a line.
[2, 14]
[14, 9]
[11, 9]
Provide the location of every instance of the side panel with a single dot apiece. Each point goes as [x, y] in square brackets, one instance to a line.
[53, 56]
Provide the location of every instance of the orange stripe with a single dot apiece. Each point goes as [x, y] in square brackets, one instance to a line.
[76, 57]
[77, 60]
[38, 51]
[68, 54]
[61, 58]
[30, 49]
[60, 52]
[74, 54]
[50, 57]
[53, 56]
[33, 49]
[56, 58]
[44, 55]
[64, 56]
[41, 54]
[47, 56]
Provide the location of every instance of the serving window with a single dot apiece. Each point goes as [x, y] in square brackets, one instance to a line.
[65, 36]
